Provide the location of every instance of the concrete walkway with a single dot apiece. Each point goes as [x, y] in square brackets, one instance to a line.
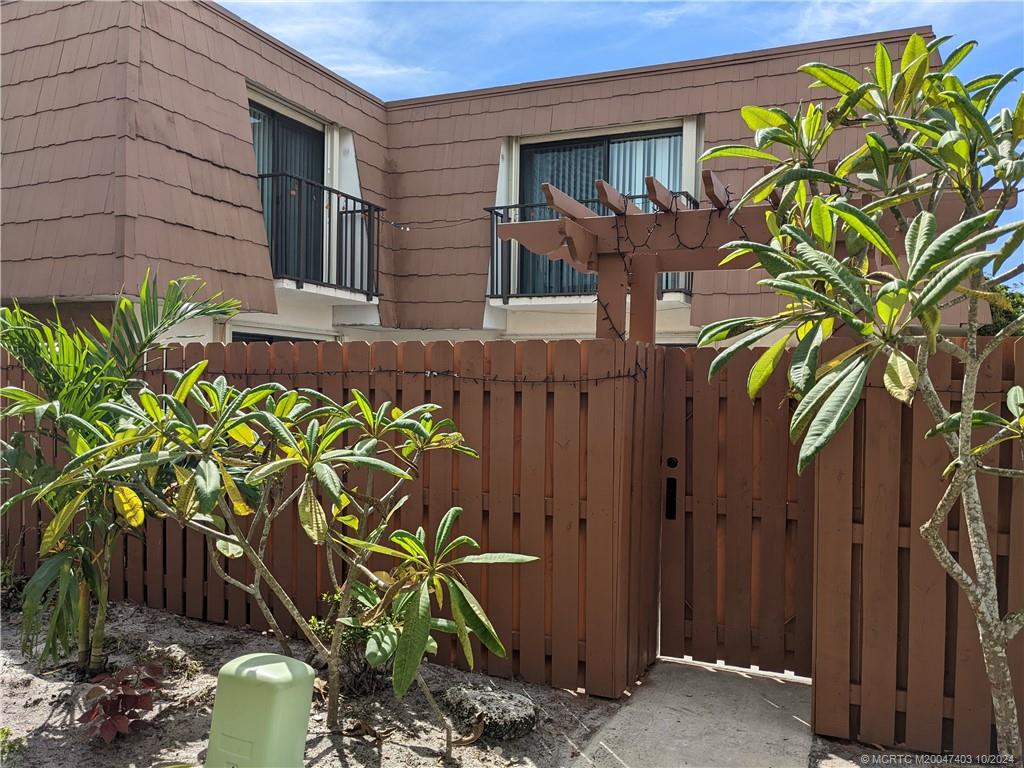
[689, 714]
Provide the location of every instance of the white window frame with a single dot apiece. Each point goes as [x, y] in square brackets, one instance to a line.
[691, 128]
[341, 172]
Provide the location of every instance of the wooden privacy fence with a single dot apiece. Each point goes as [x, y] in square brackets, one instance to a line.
[897, 658]
[569, 437]
[737, 528]
[594, 454]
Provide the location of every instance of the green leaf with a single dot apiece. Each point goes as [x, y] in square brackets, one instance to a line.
[364, 407]
[765, 366]
[822, 224]
[808, 406]
[941, 249]
[371, 462]
[445, 526]
[955, 149]
[919, 236]
[892, 298]
[727, 354]
[738, 150]
[476, 619]
[412, 643]
[952, 422]
[277, 428]
[410, 544]
[381, 645]
[329, 480]
[883, 68]
[262, 472]
[837, 275]
[957, 55]
[759, 117]
[900, 377]
[1015, 401]
[834, 412]
[187, 381]
[947, 278]
[804, 362]
[208, 488]
[462, 634]
[864, 225]
[720, 330]
[809, 174]
[837, 79]
[311, 515]
[134, 462]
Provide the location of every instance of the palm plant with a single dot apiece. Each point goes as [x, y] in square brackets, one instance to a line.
[77, 372]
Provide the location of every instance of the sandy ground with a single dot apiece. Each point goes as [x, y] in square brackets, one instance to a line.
[41, 707]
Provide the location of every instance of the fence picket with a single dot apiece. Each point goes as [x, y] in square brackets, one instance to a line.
[532, 516]
[498, 581]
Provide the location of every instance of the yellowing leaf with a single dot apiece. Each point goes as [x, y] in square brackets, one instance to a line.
[244, 434]
[186, 503]
[238, 503]
[901, 376]
[129, 506]
[311, 515]
[764, 366]
[60, 523]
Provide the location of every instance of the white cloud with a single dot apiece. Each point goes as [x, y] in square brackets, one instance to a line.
[666, 17]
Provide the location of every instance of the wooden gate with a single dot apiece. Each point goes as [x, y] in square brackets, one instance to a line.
[737, 524]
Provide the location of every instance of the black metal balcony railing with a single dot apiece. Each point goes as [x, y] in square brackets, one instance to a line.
[320, 235]
[518, 272]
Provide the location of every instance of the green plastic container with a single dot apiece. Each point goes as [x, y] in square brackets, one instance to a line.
[261, 713]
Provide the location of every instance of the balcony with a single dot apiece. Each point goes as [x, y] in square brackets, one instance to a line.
[518, 273]
[320, 235]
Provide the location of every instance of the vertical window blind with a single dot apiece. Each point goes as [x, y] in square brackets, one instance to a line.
[572, 166]
[290, 155]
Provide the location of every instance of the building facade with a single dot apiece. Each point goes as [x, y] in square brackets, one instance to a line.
[178, 138]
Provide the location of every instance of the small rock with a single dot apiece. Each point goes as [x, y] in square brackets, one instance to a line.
[505, 715]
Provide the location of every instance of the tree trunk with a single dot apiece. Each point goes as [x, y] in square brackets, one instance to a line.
[97, 659]
[84, 610]
[990, 626]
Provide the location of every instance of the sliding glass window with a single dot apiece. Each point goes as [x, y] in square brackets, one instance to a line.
[290, 164]
[572, 166]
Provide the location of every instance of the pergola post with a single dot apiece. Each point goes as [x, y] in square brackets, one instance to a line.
[611, 297]
[643, 291]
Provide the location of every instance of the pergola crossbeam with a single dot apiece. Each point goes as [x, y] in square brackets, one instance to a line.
[660, 196]
[614, 200]
[715, 190]
[564, 204]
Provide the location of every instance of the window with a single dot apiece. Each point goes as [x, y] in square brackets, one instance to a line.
[285, 145]
[290, 166]
[572, 166]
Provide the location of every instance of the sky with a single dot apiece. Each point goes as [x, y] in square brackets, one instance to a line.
[399, 50]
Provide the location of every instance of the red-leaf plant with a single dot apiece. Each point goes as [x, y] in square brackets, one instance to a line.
[119, 698]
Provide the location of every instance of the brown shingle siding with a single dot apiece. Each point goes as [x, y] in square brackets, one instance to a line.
[126, 130]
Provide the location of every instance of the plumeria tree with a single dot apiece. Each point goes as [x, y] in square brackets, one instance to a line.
[913, 224]
[227, 463]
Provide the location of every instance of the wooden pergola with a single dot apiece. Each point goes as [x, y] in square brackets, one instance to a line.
[629, 248]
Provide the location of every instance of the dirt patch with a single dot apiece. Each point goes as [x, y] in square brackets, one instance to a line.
[41, 707]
